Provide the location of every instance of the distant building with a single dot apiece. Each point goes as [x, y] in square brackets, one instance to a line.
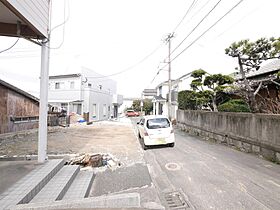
[85, 93]
[19, 110]
[160, 101]
[127, 104]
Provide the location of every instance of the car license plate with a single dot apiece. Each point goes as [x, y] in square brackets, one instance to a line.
[161, 141]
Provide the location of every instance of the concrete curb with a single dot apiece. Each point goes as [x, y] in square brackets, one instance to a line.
[128, 200]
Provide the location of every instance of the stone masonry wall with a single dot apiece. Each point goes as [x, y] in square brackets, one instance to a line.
[257, 133]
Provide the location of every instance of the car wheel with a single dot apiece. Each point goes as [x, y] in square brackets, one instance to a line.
[172, 144]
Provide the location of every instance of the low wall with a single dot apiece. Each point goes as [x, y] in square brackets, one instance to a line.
[257, 133]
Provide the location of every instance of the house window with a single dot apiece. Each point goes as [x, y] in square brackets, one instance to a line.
[24, 119]
[57, 85]
[104, 110]
[72, 85]
[100, 87]
[89, 84]
[94, 110]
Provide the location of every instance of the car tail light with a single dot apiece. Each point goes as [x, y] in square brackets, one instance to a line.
[146, 134]
[172, 131]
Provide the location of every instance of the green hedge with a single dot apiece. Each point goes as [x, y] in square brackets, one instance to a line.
[234, 105]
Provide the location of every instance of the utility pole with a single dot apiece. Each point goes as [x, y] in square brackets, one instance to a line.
[168, 39]
[43, 112]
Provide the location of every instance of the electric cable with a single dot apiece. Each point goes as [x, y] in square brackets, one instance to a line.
[229, 11]
[65, 19]
[133, 66]
[196, 26]
[189, 9]
[62, 24]
[10, 46]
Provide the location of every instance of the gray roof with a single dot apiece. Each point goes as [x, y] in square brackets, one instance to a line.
[271, 67]
[11, 87]
[159, 98]
[64, 76]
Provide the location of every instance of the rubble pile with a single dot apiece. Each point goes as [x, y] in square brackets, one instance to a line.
[95, 160]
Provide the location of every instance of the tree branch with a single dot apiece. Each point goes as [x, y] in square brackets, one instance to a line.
[276, 83]
[258, 89]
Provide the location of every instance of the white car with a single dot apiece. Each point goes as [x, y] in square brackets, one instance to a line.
[156, 130]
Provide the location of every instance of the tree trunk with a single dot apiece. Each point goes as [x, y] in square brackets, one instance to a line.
[250, 92]
[215, 109]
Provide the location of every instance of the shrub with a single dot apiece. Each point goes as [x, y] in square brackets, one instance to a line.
[234, 105]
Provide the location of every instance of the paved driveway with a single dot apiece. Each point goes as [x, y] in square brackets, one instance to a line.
[213, 176]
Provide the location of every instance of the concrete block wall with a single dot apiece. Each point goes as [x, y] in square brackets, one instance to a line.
[257, 133]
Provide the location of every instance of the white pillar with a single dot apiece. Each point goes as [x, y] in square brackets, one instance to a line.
[43, 112]
[68, 108]
[157, 103]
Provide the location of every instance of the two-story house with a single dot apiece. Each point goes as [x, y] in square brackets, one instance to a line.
[160, 101]
[86, 93]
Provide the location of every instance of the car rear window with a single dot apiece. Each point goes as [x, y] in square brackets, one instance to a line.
[158, 123]
[129, 111]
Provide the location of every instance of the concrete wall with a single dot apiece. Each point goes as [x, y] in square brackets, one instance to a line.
[13, 104]
[258, 133]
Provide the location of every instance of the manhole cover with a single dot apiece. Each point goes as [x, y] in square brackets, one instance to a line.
[175, 200]
[172, 166]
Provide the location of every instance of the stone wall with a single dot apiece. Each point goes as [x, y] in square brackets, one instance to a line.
[257, 133]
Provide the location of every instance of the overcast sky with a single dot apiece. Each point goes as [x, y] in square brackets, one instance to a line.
[109, 36]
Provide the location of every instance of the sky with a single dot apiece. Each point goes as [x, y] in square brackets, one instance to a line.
[111, 36]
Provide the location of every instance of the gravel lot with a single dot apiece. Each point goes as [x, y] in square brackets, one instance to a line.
[114, 137]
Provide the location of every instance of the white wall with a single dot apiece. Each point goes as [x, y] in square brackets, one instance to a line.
[97, 80]
[65, 92]
[94, 96]
[92, 88]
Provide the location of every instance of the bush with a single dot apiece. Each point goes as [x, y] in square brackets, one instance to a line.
[234, 105]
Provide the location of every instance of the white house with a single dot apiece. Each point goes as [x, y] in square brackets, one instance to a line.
[160, 101]
[86, 93]
[127, 103]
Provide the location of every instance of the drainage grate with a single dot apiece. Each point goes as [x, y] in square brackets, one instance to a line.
[175, 200]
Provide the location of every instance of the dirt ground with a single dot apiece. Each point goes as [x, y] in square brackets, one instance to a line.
[115, 138]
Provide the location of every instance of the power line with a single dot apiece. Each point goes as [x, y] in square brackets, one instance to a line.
[189, 9]
[208, 29]
[62, 24]
[65, 19]
[199, 10]
[234, 24]
[10, 46]
[190, 32]
[201, 35]
[133, 66]
[197, 25]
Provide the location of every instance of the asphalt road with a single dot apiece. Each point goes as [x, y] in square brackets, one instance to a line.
[213, 176]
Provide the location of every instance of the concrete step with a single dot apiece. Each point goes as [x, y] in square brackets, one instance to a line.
[81, 186]
[26, 188]
[119, 201]
[58, 185]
